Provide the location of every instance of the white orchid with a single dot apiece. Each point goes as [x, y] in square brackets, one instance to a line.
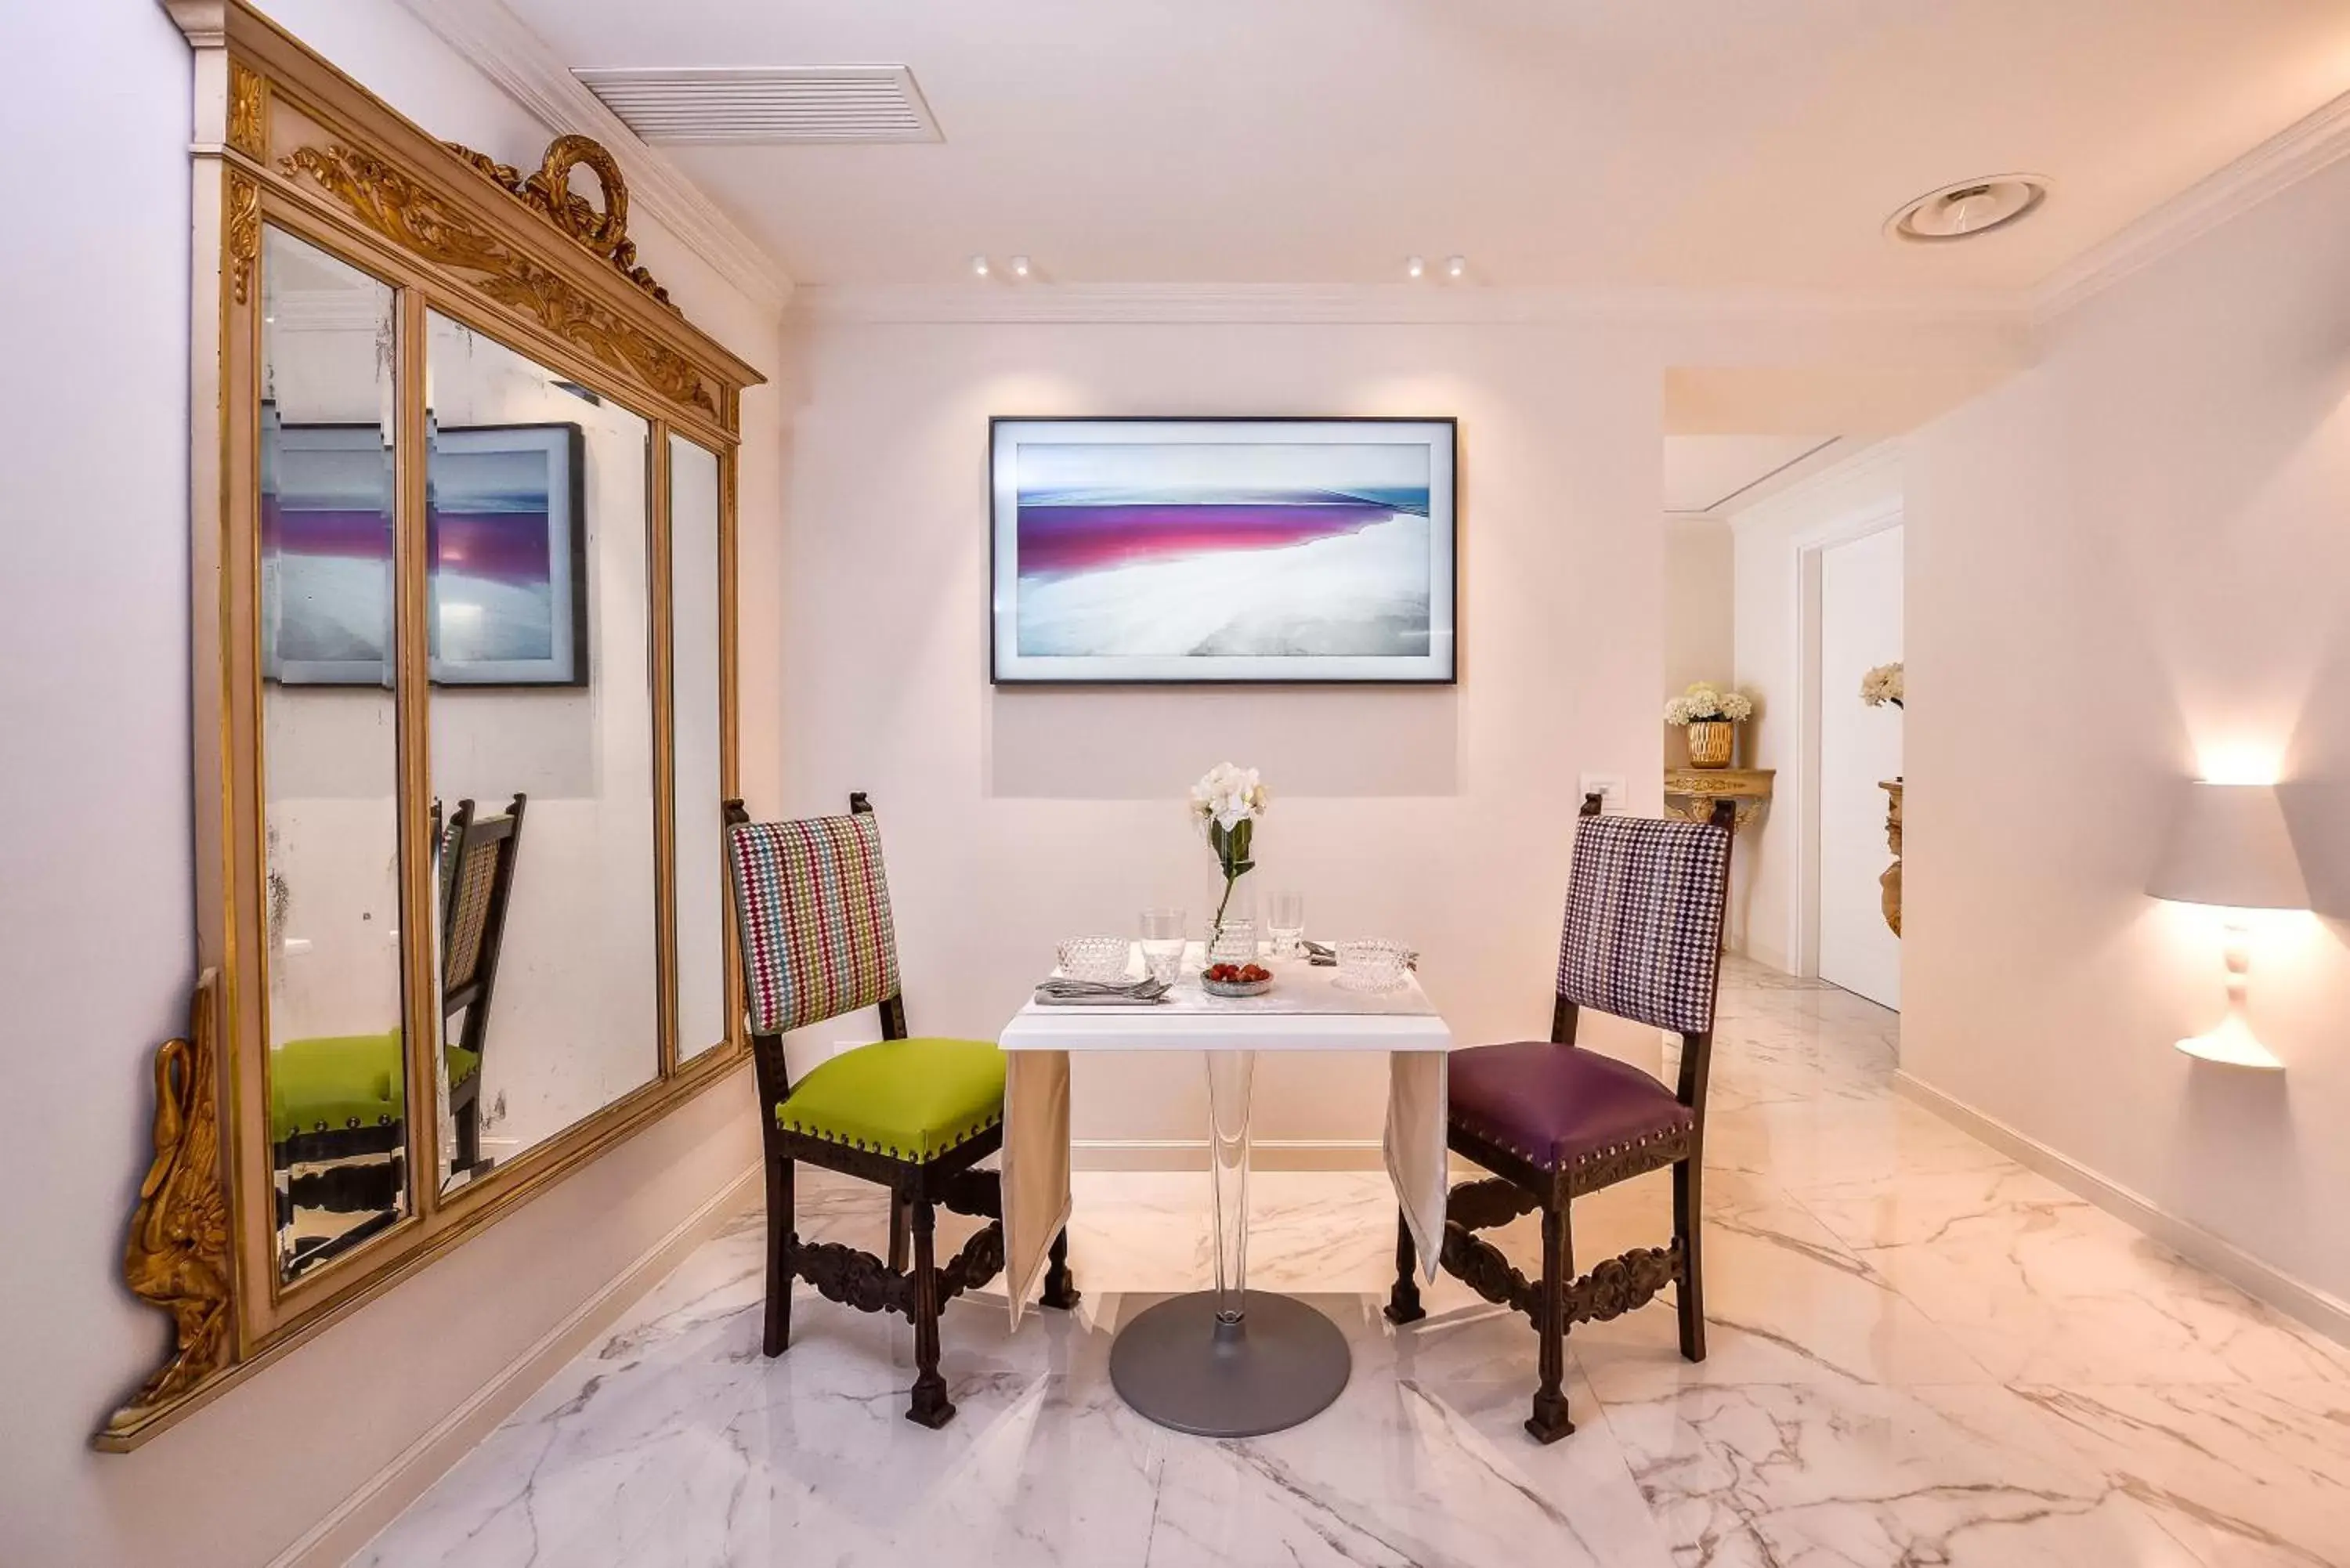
[1225, 806]
[1884, 684]
[1228, 796]
[1705, 703]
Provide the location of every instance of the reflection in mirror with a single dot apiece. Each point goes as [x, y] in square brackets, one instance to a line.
[337, 1076]
[541, 705]
[694, 635]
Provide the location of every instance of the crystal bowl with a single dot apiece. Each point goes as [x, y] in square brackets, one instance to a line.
[1094, 958]
[1235, 987]
[1372, 965]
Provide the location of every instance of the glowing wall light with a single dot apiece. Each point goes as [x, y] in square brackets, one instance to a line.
[2230, 848]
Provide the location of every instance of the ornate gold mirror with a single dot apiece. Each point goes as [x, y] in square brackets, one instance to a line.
[463, 513]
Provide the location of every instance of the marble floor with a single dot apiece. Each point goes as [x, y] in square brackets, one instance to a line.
[1922, 1354]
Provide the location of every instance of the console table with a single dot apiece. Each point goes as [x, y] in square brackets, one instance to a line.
[1889, 883]
[1689, 793]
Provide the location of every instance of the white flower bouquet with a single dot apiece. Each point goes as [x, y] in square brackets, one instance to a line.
[1705, 703]
[1225, 806]
[1884, 684]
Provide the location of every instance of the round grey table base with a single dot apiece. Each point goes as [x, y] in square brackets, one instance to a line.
[1282, 1364]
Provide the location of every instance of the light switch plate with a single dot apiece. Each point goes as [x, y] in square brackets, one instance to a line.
[1609, 787]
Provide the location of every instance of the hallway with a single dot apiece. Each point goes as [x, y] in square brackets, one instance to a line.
[1920, 1353]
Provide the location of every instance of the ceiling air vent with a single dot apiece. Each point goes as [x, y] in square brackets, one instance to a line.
[771, 104]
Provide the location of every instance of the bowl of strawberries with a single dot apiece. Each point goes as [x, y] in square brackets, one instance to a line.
[1236, 979]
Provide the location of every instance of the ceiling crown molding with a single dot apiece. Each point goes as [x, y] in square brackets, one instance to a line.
[2308, 145]
[1367, 305]
[496, 41]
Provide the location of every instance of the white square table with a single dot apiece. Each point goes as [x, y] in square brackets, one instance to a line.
[1229, 1362]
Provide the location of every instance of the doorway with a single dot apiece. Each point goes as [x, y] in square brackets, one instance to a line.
[1856, 748]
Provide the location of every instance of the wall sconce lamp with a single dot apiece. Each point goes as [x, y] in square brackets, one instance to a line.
[2230, 848]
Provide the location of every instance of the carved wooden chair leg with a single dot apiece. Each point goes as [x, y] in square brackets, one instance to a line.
[1549, 1422]
[783, 1236]
[1688, 1222]
[1403, 1302]
[896, 1233]
[1061, 1291]
[931, 1406]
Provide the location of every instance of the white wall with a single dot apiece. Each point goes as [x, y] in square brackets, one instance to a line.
[1441, 817]
[2129, 566]
[1014, 817]
[1701, 613]
[1767, 904]
[95, 946]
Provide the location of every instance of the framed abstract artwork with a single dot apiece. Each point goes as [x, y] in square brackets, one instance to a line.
[506, 543]
[1274, 550]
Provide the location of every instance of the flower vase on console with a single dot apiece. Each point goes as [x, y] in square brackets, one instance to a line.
[1711, 718]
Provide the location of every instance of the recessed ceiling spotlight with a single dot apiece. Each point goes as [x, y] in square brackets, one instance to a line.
[1020, 266]
[1415, 266]
[1969, 208]
[1456, 267]
[978, 267]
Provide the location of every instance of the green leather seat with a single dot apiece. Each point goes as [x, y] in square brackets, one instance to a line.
[910, 1099]
[334, 1082]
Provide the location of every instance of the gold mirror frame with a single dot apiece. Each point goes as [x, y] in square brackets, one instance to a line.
[283, 139]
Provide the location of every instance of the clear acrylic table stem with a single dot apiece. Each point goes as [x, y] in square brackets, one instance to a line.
[1230, 1074]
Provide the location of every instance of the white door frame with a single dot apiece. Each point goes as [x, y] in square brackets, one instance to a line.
[1803, 916]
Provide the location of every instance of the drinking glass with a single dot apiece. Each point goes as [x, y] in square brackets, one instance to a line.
[1287, 917]
[1162, 943]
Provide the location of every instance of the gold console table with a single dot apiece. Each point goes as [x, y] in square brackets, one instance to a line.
[1889, 883]
[1689, 793]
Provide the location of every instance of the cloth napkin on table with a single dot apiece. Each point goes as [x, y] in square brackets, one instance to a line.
[1061, 991]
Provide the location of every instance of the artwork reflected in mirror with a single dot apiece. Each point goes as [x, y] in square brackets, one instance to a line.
[541, 713]
[694, 660]
[336, 1069]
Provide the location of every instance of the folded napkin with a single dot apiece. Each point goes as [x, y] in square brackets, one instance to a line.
[1061, 991]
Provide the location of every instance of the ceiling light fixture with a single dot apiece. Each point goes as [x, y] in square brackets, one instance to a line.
[1969, 208]
[978, 267]
[1020, 267]
[1415, 266]
[1456, 267]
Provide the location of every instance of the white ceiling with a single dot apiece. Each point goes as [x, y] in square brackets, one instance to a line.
[1694, 143]
[1703, 473]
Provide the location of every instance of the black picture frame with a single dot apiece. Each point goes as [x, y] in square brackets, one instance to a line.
[1008, 666]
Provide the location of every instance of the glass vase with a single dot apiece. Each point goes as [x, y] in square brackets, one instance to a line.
[1232, 923]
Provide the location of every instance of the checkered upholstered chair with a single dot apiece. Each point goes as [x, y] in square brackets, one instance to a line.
[915, 1116]
[1553, 1121]
[338, 1104]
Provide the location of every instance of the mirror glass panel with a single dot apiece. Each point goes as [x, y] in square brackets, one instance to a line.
[694, 635]
[330, 755]
[542, 730]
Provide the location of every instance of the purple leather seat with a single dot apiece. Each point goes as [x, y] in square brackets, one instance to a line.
[1560, 1105]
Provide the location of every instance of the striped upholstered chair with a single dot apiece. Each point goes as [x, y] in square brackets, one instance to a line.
[915, 1116]
[1553, 1121]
